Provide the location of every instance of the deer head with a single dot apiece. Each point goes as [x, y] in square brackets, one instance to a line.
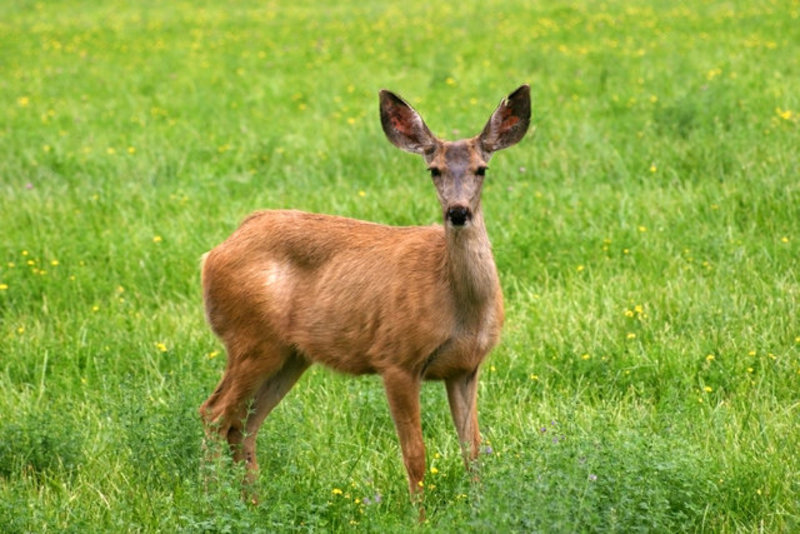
[458, 168]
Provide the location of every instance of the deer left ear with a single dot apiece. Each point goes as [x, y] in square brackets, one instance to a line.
[509, 122]
[403, 126]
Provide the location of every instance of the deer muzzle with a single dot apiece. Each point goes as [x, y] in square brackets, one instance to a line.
[458, 215]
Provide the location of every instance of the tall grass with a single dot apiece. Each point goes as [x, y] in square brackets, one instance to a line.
[647, 235]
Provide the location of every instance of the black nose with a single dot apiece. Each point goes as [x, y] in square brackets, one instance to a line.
[458, 215]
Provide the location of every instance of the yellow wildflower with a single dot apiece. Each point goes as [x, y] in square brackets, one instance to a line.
[785, 114]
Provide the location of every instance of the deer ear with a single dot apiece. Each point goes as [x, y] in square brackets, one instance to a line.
[403, 126]
[509, 122]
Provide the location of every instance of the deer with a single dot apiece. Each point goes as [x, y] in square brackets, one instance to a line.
[289, 289]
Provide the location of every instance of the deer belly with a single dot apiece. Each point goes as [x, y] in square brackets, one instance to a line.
[365, 338]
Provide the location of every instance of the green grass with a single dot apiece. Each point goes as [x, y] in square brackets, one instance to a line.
[647, 236]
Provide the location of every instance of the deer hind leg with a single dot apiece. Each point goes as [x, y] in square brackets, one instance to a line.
[462, 394]
[268, 395]
[225, 411]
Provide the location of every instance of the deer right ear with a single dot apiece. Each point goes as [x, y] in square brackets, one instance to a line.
[509, 122]
[403, 126]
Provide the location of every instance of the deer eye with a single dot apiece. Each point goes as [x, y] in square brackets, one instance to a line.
[481, 171]
[435, 172]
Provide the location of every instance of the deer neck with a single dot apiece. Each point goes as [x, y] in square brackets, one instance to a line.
[471, 264]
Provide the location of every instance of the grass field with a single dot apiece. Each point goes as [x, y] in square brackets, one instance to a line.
[647, 236]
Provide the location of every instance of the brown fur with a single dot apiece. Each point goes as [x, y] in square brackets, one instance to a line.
[288, 289]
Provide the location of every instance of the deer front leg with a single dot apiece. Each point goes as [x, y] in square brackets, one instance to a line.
[402, 392]
[462, 393]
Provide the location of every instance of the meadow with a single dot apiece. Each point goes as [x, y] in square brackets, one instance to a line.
[647, 235]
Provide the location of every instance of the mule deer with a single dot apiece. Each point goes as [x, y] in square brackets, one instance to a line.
[288, 289]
